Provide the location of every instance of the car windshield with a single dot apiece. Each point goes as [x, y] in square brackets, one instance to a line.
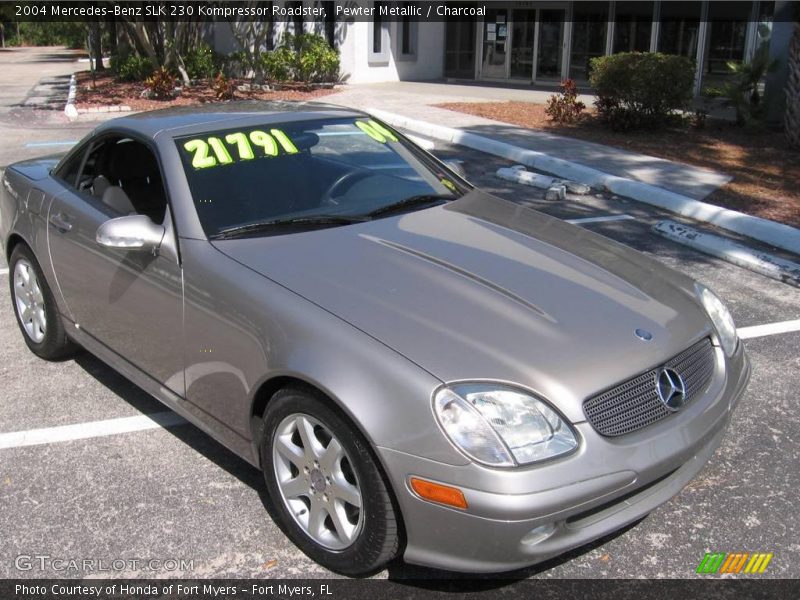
[277, 178]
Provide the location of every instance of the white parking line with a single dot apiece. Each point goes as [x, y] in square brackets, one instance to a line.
[754, 331]
[600, 219]
[4, 271]
[82, 431]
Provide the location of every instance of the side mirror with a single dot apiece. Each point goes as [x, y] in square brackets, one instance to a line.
[457, 166]
[134, 232]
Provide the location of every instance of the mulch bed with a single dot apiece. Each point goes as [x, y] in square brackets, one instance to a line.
[766, 172]
[105, 90]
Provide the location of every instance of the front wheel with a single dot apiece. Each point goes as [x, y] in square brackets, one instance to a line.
[328, 494]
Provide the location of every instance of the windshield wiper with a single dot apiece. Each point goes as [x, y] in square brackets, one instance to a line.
[409, 202]
[309, 222]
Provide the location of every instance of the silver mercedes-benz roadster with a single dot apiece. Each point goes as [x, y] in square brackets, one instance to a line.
[421, 370]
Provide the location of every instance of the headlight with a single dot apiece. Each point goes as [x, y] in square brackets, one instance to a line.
[501, 426]
[721, 317]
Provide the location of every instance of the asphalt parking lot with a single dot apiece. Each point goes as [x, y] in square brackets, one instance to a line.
[173, 495]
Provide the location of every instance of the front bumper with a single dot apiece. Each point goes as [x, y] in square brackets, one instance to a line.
[608, 484]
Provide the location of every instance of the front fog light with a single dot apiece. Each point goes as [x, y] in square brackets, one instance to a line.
[721, 318]
[501, 426]
[538, 534]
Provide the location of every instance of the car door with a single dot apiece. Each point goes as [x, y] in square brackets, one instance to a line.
[129, 300]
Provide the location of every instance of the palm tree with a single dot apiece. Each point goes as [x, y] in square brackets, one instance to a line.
[791, 118]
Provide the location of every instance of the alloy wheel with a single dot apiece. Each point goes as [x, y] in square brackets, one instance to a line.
[317, 481]
[29, 301]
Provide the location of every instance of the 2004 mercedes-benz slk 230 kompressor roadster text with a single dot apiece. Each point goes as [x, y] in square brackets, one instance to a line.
[420, 369]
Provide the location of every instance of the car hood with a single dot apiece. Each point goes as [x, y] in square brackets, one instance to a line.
[482, 288]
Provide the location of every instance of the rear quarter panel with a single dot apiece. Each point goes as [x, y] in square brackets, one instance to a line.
[25, 197]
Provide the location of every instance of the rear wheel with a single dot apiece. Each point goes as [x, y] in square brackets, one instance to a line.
[35, 307]
[328, 494]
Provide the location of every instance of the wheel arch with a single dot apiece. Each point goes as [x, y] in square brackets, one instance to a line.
[267, 388]
[14, 240]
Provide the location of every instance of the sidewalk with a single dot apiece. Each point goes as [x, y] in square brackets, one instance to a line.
[415, 100]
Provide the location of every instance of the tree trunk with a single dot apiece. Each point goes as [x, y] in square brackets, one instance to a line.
[791, 118]
[97, 45]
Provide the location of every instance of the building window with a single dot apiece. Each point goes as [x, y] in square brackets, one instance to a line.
[407, 34]
[727, 36]
[680, 28]
[377, 35]
[590, 20]
[633, 25]
[459, 49]
[379, 39]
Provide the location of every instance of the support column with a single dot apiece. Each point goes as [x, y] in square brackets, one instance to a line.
[702, 42]
[656, 29]
[612, 24]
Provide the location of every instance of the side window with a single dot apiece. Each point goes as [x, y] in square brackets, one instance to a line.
[124, 175]
[68, 170]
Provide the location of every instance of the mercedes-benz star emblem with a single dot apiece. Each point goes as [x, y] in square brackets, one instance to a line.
[671, 389]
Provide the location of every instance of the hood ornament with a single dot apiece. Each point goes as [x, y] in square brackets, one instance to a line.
[643, 335]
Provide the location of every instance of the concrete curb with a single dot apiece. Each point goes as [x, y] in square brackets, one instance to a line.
[733, 252]
[69, 109]
[769, 232]
[104, 109]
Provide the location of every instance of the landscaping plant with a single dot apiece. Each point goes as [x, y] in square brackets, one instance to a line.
[132, 68]
[742, 90]
[641, 90]
[224, 88]
[305, 58]
[564, 108]
[161, 84]
[201, 62]
[278, 65]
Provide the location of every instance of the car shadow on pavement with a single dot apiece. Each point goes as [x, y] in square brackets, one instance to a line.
[187, 433]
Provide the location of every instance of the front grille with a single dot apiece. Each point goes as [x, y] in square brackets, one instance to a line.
[635, 403]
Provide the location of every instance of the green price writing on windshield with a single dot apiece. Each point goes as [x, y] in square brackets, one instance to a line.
[212, 151]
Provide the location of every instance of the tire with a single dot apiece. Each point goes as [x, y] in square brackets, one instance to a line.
[307, 489]
[35, 308]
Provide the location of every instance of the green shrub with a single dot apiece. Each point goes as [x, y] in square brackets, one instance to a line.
[565, 108]
[69, 34]
[305, 58]
[316, 61]
[641, 90]
[132, 68]
[201, 62]
[278, 65]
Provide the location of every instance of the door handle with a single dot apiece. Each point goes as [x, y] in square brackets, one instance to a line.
[60, 222]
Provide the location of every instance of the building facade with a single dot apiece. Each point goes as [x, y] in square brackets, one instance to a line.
[545, 42]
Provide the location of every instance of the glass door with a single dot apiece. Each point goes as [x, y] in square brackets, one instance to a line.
[522, 35]
[550, 45]
[495, 44]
